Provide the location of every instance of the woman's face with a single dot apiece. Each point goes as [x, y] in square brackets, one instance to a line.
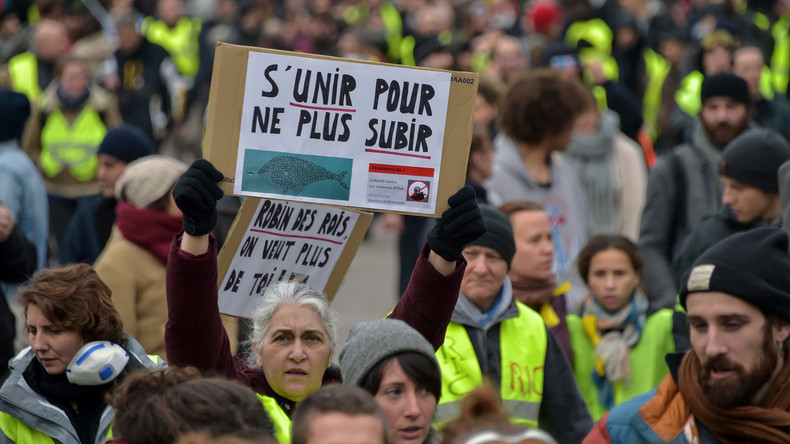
[612, 279]
[409, 407]
[54, 347]
[295, 351]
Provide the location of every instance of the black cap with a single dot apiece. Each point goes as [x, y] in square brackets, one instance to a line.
[499, 233]
[753, 158]
[127, 143]
[753, 266]
[725, 85]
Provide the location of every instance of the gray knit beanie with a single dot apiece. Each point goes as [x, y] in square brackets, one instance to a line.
[371, 342]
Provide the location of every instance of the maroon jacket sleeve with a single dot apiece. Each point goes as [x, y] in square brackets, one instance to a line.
[194, 335]
[429, 299]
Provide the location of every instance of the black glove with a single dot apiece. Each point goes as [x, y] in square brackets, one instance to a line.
[460, 224]
[196, 194]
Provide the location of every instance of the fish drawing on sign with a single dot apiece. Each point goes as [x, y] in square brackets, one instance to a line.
[292, 173]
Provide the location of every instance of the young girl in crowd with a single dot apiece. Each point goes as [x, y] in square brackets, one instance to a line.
[618, 350]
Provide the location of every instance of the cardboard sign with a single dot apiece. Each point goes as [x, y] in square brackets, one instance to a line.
[272, 241]
[339, 132]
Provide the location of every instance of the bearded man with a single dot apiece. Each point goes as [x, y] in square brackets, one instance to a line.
[684, 186]
[734, 384]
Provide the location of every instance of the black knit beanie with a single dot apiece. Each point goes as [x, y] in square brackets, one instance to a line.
[725, 85]
[14, 111]
[127, 143]
[753, 266]
[754, 157]
[499, 233]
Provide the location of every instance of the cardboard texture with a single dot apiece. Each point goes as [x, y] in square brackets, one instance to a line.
[225, 120]
[238, 231]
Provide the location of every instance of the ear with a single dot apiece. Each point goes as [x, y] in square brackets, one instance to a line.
[781, 330]
[257, 352]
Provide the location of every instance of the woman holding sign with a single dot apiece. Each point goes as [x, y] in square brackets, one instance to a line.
[293, 337]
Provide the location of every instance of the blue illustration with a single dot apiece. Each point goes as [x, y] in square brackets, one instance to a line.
[297, 174]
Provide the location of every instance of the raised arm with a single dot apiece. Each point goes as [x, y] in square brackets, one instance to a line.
[429, 300]
[194, 334]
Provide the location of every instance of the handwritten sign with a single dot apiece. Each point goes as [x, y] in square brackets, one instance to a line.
[273, 241]
[339, 132]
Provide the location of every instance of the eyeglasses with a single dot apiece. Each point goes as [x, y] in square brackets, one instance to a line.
[492, 436]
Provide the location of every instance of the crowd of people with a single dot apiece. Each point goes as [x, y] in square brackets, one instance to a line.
[615, 269]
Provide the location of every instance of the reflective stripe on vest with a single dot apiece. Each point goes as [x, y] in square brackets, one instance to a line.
[523, 355]
[780, 58]
[648, 367]
[688, 95]
[23, 69]
[180, 41]
[73, 146]
[19, 432]
[657, 68]
[282, 423]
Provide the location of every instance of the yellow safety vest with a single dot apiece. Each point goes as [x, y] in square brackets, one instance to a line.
[648, 367]
[688, 94]
[780, 59]
[282, 423]
[23, 69]
[19, 432]
[73, 146]
[523, 355]
[180, 41]
[657, 68]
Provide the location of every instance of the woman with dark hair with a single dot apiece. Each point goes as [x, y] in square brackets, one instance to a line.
[78, 352]
[618, 350]
[397, 365]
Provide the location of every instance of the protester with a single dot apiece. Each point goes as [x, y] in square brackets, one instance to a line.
[749, 170]
[731, 386]
[17, 264]
[612, 170]
[618, 350]
[531, 276]
[78, 352]
[164, 405]
[397, 366]
[151, 92]
[684, 186]
[133, 262]
[770, 110]
[294, 327]
[62, 137]
[537, 118]
[91, 225]
[339, 414]
[23, 194]
[33, 71]
[490, 328]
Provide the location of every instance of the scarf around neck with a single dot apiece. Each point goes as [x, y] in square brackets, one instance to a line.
[768, 422]
[613, 335]
[592, 157]
[151, 230]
